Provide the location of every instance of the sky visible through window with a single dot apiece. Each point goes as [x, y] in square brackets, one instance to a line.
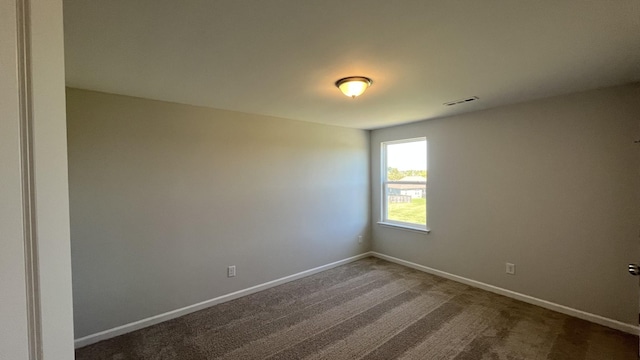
[407, 156]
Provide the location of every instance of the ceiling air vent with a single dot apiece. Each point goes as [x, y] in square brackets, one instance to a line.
[461, 101]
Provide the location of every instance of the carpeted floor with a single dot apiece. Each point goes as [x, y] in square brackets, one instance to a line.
[370, 309]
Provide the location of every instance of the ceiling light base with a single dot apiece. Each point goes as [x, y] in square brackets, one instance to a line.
[353, 86]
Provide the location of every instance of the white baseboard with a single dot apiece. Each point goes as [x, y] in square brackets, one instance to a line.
[137, 325]
[127, 328]
[614, 324]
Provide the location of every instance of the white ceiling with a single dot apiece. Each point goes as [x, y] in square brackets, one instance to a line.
[282, 57]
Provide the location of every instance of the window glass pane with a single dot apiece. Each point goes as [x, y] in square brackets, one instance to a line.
[405, 183]
[407, 203]
[407, 161]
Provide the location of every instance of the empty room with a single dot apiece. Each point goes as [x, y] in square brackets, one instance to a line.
[320, 180]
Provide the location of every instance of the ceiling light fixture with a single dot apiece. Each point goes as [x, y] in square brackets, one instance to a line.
[353, 86]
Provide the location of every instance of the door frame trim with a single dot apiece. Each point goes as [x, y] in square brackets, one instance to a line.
[30, 236]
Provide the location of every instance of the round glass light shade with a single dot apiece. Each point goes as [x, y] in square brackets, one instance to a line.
[353, 86]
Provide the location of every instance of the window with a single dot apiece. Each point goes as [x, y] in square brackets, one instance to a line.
[404, 183]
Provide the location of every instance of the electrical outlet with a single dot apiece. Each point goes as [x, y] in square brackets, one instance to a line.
[359, 239]
[231, 271]
[511, 269]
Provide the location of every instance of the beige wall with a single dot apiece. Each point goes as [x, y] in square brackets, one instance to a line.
[165, 196]
[550, 185]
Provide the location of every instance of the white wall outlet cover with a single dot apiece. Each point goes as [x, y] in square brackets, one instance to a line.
[510, 268]
[231, 271]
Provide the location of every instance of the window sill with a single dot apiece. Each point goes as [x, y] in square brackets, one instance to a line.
[404, 227]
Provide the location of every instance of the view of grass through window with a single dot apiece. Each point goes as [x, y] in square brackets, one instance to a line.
[405, 182]
[409, 212]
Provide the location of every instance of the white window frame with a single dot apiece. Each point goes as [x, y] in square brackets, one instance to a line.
[384, 186]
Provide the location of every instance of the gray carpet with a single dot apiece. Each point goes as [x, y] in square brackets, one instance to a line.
[370, 309]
